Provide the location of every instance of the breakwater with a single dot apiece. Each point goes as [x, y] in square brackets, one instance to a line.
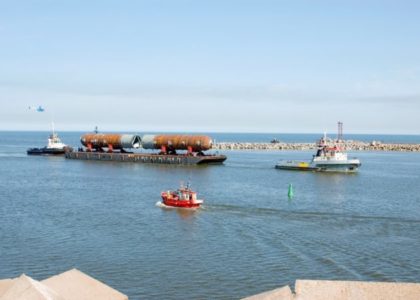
[347, 145]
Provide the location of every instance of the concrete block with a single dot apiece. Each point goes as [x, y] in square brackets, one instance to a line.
[355, 290]
[26, 288]
[5, 284]
[75, 285]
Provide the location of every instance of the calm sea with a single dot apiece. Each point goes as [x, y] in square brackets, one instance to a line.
[101, 218]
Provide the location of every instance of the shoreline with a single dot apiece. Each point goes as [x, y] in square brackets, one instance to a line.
[347, 145]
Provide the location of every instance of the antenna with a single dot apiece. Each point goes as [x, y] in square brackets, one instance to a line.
[340, 131]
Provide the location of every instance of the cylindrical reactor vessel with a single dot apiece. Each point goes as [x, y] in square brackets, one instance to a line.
[115, 141]
[195, 143]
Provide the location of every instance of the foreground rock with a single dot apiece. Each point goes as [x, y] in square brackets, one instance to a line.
[343, 290]
[70, 285]
[348, 146]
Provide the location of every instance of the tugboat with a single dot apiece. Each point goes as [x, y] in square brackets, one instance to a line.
[54, 147]
[184, 197]
[330, 157]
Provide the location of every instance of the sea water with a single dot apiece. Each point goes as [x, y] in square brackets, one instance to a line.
[249, 237]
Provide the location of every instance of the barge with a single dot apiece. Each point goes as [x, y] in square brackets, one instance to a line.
[112, 147]
[177, 159]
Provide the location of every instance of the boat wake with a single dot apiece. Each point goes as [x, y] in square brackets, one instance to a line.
[5, 154]
[305, 215]
[161, 205]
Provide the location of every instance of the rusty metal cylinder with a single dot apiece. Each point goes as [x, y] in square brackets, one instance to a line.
[195, 143]
[116, 141]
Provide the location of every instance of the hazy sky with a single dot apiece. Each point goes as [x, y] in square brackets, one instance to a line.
[234, 66]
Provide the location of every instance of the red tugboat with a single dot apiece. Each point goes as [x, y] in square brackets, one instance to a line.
[183, 197]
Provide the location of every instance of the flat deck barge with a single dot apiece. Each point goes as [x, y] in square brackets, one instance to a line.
[178, 159]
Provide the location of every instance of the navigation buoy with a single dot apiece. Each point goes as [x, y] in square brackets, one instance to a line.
[290, 191]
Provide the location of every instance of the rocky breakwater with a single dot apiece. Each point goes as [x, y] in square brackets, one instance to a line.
[347, 145]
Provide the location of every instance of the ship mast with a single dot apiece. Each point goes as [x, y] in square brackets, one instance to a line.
[340, 131]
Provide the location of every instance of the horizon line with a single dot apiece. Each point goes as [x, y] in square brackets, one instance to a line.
[205, 131]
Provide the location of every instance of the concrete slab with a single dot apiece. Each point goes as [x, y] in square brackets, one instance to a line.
[26, 288]
[360, 290]
[75, 285]
[5, 284]
[343, 290]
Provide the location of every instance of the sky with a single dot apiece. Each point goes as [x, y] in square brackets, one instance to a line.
[211, 66]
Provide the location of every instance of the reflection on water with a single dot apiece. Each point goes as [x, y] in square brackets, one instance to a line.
[184, 213]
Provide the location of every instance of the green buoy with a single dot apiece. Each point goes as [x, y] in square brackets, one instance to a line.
[290, 191]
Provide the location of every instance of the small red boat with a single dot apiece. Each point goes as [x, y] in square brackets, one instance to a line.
[183, 197]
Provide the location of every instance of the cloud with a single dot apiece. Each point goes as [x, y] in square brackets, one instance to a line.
[274, 108]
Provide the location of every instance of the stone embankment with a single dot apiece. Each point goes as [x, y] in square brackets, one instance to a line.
[347, 145]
